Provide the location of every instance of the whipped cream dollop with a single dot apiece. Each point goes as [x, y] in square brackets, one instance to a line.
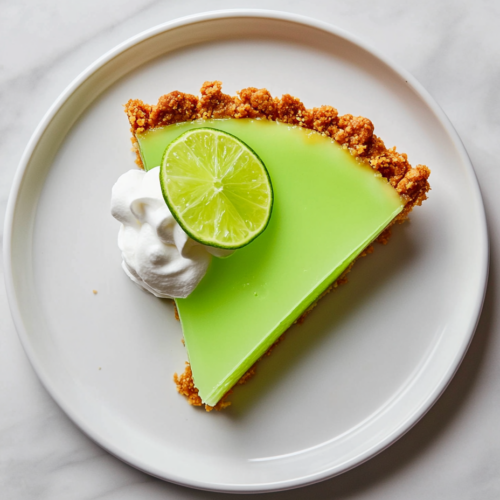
[157, 254]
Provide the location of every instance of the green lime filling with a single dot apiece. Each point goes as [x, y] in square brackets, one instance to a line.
[327, 208]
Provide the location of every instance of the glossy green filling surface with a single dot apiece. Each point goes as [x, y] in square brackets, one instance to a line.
[327, 208]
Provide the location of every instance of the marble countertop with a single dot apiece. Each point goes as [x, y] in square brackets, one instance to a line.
[453, 49]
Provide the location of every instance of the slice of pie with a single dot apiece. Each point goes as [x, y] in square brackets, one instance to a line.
[337, 188]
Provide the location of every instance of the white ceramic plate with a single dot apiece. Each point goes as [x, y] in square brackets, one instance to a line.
[369, 362]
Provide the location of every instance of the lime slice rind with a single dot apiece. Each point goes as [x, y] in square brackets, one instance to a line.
[217, 188]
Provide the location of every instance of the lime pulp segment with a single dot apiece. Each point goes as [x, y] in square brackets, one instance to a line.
[216, 187]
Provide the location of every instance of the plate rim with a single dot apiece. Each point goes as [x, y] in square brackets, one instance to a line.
[483, 242]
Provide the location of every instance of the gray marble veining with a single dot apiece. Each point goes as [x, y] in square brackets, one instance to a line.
[452, 47]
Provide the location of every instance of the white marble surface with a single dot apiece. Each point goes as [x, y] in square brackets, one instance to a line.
[453, 49]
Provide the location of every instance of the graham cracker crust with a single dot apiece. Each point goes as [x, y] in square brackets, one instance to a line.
[354, 133]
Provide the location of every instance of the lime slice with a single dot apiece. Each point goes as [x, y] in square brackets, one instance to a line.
[216, 187]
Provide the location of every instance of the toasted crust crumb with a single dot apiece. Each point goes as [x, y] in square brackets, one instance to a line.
[138, 115]
[185, 386]
[353, 132]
